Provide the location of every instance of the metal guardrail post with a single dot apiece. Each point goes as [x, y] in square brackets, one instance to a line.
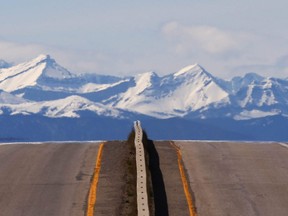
[142, 197]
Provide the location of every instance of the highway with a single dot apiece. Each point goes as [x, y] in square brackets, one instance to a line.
[188, 178]
[45, 179]
[237, 178]
[112, 192]
[175, 200]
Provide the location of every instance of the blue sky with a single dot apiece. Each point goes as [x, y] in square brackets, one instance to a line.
[125, 37]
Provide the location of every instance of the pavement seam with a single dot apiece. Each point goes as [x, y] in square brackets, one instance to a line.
[188, 195]
[93, 187]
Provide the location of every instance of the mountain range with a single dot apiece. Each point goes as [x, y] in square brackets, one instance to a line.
[41, 100]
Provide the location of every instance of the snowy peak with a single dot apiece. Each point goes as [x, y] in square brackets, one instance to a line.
[266, 93]
[36, 72]
[4, 64]
[194, 75]
[145, 80]
[237, 83]
[41, 86]
[42, 57]
[200, 86]
[190, 69]
[7, 98]
[199, 89]
[148, 75]
[190, 89]
[52, 69]
[69, 107]
[250, 77]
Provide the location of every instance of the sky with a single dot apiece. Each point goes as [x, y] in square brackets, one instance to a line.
[226, 37]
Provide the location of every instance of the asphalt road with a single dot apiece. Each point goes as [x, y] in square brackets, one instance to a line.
[237, 178]
[45, 179]
[112, 186]
[175, 197]
[225, 179]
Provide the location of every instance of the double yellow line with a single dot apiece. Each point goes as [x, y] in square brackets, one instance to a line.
[94, 183]
[184, 181]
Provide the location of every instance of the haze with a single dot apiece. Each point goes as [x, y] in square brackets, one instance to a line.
[227, 37]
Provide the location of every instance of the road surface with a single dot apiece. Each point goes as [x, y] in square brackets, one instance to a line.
[237, 178]
[55, 179]
[224, 178]
[111, 190]
[45, 179]
[168, 163]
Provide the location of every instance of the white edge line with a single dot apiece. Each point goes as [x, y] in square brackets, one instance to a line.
[52, 142]
[284, 145]
[226, 141]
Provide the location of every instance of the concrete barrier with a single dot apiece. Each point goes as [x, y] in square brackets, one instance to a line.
[142, 197]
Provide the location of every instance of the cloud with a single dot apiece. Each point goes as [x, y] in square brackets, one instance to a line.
[207, 39]
[18, 52]
[224, 53]
[227, 53]
[75, 60]
[80, 61]
[279, 68]
[282, 62]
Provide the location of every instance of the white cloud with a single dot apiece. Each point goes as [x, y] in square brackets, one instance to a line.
[18, 52]
[207, 39]
[279, 68]
[75, 60]
[226, 53]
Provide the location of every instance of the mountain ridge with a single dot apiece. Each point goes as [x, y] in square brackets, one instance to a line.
[40, 101]
[191, 92]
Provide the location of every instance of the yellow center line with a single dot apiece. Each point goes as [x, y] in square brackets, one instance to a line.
[94, 183]
[184, 181]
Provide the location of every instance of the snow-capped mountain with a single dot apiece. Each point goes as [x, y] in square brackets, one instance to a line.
[41, 86]
[71, 107]
[4, 64]
[7, 98]
[187, 90]
[40, 72]
[41, 100]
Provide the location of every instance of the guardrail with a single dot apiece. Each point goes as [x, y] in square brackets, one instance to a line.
[142, 197]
